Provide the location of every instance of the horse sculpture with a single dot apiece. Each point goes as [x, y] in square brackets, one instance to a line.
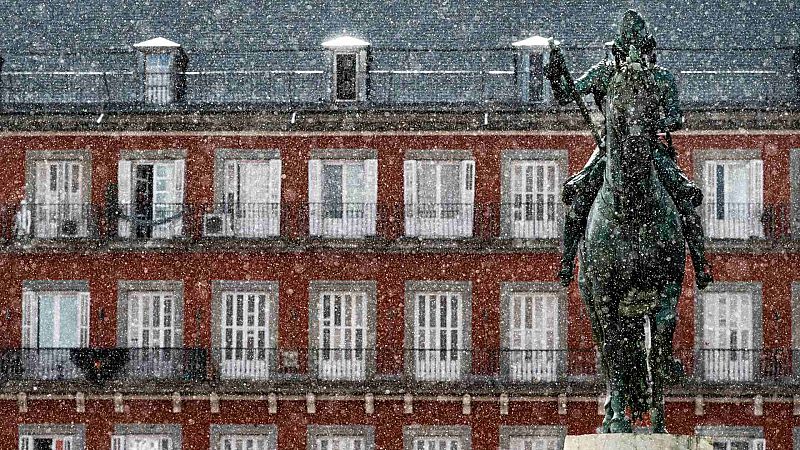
[632, 256]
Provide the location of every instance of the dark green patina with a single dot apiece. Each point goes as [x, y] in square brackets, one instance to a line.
[632, 212]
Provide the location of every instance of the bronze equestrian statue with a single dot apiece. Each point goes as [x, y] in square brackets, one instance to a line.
[632, 213]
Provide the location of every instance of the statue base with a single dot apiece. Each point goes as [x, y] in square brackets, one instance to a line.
[636, 442]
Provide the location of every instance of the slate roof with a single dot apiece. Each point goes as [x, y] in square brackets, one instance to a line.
[270, 52]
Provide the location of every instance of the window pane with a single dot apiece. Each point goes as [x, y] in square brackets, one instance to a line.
[450, 183]
[332, 190]
[537, 77]
[346, 76]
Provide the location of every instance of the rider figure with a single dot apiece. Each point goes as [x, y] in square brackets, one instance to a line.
[580, 189]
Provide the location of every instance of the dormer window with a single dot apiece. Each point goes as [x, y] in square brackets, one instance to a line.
[530, 65]
[162, 63]
[349, 71]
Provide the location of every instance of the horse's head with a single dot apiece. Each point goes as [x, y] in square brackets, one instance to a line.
[632, 114]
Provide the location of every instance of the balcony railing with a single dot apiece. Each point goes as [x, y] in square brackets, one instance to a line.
[32, 364]
[747, 220]
[243, 220]
[389, 221]
[503, 366]
[55, 220]
[716, 365]
[151, 220]
[245, 363]
[342, 220]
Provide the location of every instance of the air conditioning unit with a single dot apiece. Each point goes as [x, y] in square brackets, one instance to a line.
[214, 225]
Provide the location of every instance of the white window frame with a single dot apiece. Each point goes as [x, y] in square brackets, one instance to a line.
[27, 442]
[426, 437]
[257, 360]
[520, 217]
[719, 361]
[53, 204]
[339, 360]
[531, 353]
[251, 219]
[73, 437]
[259, 437]
[142, 442]
[532, 437]
[438, 219]
[358, 219]
[152, 360]
[347, 45]
[326, 437]
[535, 212]
[167, 216]
[49, 362]
[753, 436]
[527, 48]
[734, 222]
[59, 200]
[127, 436]
[425, 360]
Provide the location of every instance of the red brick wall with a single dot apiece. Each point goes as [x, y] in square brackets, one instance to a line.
[775, 271]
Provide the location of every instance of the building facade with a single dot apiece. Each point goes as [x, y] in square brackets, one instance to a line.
[338, 228]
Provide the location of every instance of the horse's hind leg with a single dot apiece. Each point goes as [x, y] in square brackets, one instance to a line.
[587, 294]
[663, 365]
[660, 357]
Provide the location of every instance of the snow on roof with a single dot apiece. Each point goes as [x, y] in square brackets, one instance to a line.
[533, 41]
[345, 41]
[157, 42]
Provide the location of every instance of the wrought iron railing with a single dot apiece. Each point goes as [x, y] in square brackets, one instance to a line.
[722, 365]
[188, 364]
[342, 220]
[290, 220]
[505, 366]
[55, 220]
[242, 220]
[747, 220]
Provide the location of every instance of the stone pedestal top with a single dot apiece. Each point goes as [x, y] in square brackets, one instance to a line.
[636, 442]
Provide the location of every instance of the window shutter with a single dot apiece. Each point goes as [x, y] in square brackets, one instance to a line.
[179, 174]
[231, 183]
[371, 197]
[29, 319]
[710, 208]
[124, 192]
[134, 321]
[410, 175]
[25, 443]
[275, 196]
[83, 317]
[177, 320]
[709, 305]
[467, 194]
[42, 183]
[756, 196]
[361, 75]
[315, 197]
[117, 442]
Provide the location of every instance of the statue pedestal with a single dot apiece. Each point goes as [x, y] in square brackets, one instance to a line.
[636, 442]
